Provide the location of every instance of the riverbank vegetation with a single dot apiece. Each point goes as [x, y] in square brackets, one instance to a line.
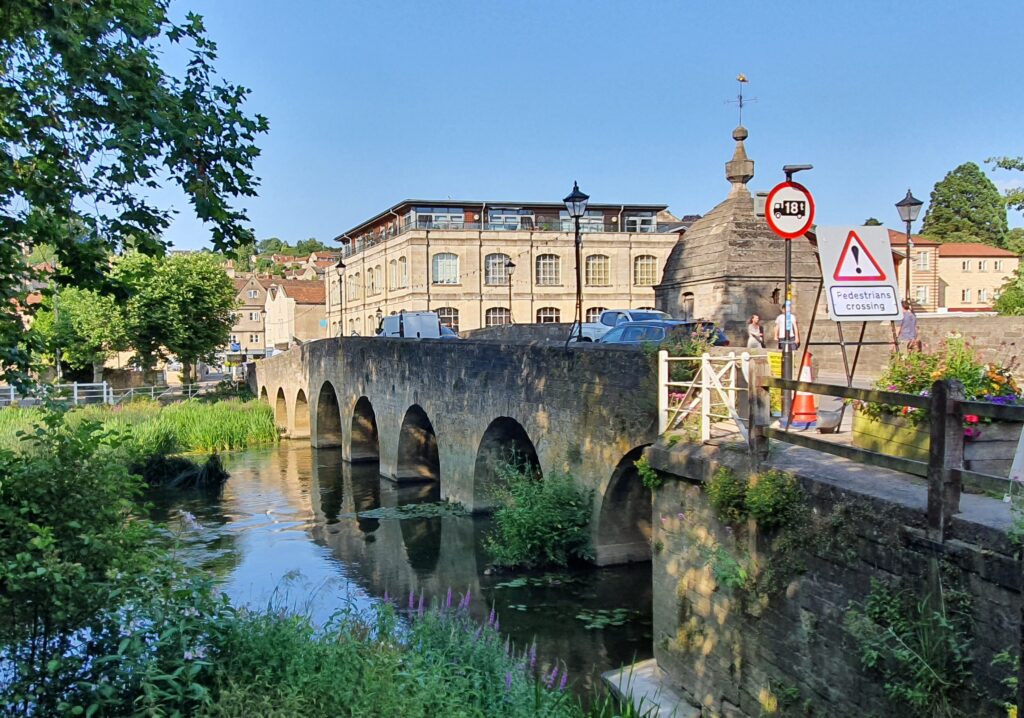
[539, 521]
[98, 617]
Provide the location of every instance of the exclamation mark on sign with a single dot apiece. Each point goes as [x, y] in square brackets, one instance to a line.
[855, 250]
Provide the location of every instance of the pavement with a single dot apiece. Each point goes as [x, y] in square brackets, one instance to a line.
[646, 686]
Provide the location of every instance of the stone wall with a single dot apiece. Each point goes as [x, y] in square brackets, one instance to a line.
[734, 651]
[517, 333]
[996, 339]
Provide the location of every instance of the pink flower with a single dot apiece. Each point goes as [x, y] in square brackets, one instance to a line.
[971, 418]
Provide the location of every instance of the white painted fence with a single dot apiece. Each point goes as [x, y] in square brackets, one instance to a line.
[78, 393]
[712, 394]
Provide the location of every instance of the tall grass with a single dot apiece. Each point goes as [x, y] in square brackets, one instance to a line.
[151, 429]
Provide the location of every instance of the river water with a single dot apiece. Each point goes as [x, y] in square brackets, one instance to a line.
[288, 531]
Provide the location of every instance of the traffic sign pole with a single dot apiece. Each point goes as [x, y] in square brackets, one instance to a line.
[789, 211]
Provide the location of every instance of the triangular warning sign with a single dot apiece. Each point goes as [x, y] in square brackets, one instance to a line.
[856, 263]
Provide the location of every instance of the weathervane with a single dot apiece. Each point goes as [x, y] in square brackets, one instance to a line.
[740, 99]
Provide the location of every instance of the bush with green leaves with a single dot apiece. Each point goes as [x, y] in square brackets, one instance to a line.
[727, 493]
[920, 647]
[539, 521]
[773, 498]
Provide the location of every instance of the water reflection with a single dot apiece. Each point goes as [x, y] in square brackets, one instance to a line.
[286, 530]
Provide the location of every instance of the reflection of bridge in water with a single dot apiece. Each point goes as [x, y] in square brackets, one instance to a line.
[429, 555]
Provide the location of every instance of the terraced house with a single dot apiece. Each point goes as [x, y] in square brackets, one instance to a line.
[487, 263]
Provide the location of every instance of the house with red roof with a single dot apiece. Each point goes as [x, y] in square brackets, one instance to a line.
[296, 312]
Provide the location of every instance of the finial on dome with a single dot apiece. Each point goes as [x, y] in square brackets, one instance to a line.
[740, 169]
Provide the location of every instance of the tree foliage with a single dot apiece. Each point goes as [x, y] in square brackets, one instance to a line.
[1011, 301]
[966, 207]
[1015, 195]
[91, 122]
[182, 305]
[872, 222]
[86, 326]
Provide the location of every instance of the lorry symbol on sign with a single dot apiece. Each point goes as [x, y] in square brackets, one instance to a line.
[790, 208]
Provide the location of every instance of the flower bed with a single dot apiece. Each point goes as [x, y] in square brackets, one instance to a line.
[903, 431]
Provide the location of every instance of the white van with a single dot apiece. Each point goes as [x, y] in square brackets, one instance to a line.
[415, 325]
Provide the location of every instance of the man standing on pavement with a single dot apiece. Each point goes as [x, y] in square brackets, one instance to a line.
[780, 328]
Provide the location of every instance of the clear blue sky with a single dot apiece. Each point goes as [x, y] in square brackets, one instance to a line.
[373, 102]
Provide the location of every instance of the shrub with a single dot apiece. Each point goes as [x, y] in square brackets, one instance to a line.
[539, 522]
[727, 494]
[650, 478]
[773, 498]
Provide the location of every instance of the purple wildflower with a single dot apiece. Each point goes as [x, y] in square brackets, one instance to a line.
[565, 679]
[533, 656]
[420, 609]
[448, 599]
[497, 624]
[387, 598]
[412, 600]
[508, 641]
[508, 680]
[490, 618]
[551, 679]
[477, 632]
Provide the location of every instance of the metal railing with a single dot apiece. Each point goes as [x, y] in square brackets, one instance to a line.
[714, 393]
[79, 394]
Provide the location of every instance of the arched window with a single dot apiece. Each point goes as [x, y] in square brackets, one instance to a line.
[378, 278]
[403, 272]
[449, 317]
[496, 316]
[594, 314]
[495, 272]
[393, 274]
[598, 271]
[549, 270]
[548, 315]
[354, 287]
[687, 305]
[371, 284]
[645, 271]
[445, 268]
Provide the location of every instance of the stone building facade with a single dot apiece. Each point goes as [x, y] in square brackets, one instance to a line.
[247, 334]
[460, 259]
[972, 276]
[730, 265]
[296, 312]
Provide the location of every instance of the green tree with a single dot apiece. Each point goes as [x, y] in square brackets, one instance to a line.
[872, 222]
[1011, 301]
[1015, 195]
[90, 122]
[182, 305]
[1015, 241]
[272, 245]
[308, 246]
[88, 328]
[966, 207]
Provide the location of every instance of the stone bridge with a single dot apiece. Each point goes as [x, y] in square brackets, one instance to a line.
[455, 411]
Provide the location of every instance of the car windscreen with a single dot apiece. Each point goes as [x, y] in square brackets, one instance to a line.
[648, 316]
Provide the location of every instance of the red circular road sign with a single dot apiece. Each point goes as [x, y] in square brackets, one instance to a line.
[789, 210]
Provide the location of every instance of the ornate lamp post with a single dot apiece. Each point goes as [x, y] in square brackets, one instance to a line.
[339, 267]
[380, 318]
[510, 267]
[909, 207]
[576, 204]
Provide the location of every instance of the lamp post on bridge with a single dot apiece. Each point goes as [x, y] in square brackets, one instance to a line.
[576, 204]
[909, 207]
[340, 269]
[510, 267]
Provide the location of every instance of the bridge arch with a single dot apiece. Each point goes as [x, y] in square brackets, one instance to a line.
[328, 417]
[263, 395]
[281, 410]
[300, 417]
[505, 441]
[365, 444]
[624, 523]
[417, 447]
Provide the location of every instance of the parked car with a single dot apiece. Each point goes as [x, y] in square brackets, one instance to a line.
[415, 325]
[610, 318]
[655, 332]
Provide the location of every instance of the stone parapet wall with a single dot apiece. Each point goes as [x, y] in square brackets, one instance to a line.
[735, 652]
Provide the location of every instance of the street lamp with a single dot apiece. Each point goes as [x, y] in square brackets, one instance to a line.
[339, 267]
[909, 207]
[380, 317]
[576, 204]
[510, 267]
[263, 325]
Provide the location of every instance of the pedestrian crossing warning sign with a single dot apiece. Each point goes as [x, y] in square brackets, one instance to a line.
[856, 263]
[858, 272]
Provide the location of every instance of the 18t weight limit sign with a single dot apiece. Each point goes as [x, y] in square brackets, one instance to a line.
[789, 210]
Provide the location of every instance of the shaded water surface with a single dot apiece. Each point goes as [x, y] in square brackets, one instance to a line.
[286, 531]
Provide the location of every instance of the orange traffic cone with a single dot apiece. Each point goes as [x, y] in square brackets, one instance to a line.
[804, 410]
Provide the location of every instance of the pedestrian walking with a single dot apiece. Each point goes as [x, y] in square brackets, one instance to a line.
[755, 333]
[780, 328]
[908, 328]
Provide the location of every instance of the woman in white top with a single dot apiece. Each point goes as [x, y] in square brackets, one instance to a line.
[755, 333]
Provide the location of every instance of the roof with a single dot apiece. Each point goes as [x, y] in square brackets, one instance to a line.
[897, 238]
[394, 209]
[972, 249]
[303, 291]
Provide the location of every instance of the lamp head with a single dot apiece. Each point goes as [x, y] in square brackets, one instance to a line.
[909, 207]
[576, 202]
